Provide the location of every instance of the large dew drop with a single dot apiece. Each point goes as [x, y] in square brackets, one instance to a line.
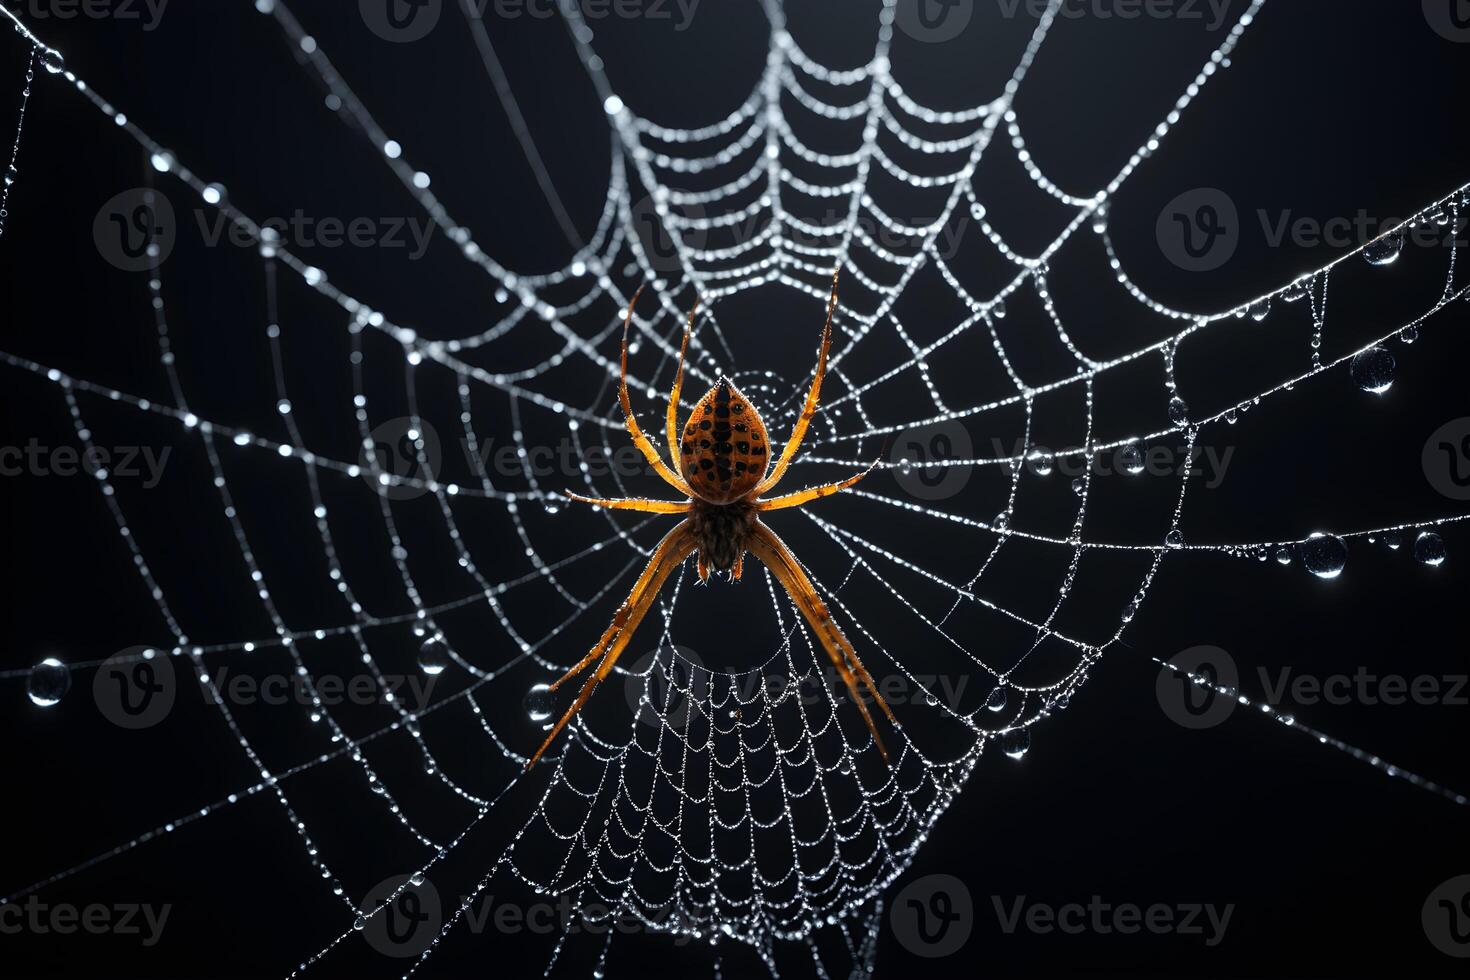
[1429, 549]
[1372, 370]
[1131, 458]
[1324, 555]
[49, 681]
[1178, 411]
[1016, 742]
[997, 699]
[1386, 250]
[538, 703]
[433, 656]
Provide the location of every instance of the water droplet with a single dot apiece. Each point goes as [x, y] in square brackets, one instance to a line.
[1016, 742]
[998, 309]
[1283, 555]
[1409, 334]
[1394, 540]
[360, 923]
[1372, 370]
[1232, 416]
[1132, 459]
[49, 681]
[1429, 549]
[1129, 611]
[551, 505]
[997, 699]
[1324, 555]
[1174, 539]
[1296, 292]
[1079, 486]
[539, 703]
[416, 879]
[1178, 410]
[53, 60]
[1260, 309]
[1386, 250]
[433, 656]
[1040, 462]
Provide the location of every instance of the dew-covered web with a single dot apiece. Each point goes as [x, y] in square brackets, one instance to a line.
[745, 806]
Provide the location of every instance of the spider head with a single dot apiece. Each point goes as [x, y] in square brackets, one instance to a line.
[723, 448]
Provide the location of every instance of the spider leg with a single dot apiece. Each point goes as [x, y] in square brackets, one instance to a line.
[810, 493]
[673, 414]
[798, 431]
[639, 504]
[738, 568]
[650, 453]
[671, 551]
[778, 558]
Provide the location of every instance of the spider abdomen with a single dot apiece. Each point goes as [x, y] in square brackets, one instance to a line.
[723, 531]
[723, 449]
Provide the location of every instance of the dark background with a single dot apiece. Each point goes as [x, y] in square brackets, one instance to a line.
[1328, 108]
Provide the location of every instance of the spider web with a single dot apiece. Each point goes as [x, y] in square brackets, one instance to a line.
[746, 806]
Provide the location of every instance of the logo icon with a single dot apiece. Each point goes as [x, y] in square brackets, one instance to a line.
[409, 923]
[1197, 704]
[1449, 18]
[671, 676]
[934, 21]
[400, 457]
[1446, 917]
[660, 241]
[932, 916]
[1446, 459]
[135, 230]
[920, 458]
[1199, 230]
[401, 21]
[135, 688]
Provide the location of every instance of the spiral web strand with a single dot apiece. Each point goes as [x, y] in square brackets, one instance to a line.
[733, 806]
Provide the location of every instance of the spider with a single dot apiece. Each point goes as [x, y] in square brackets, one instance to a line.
[724, 471]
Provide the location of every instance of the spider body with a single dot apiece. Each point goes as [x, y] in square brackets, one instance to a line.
[723, 456]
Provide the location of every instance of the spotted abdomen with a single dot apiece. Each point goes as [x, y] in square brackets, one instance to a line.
[723, 450]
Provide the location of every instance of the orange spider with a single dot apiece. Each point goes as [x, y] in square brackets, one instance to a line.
[722, 471]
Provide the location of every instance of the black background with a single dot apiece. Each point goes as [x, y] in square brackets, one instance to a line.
[1328, 108]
